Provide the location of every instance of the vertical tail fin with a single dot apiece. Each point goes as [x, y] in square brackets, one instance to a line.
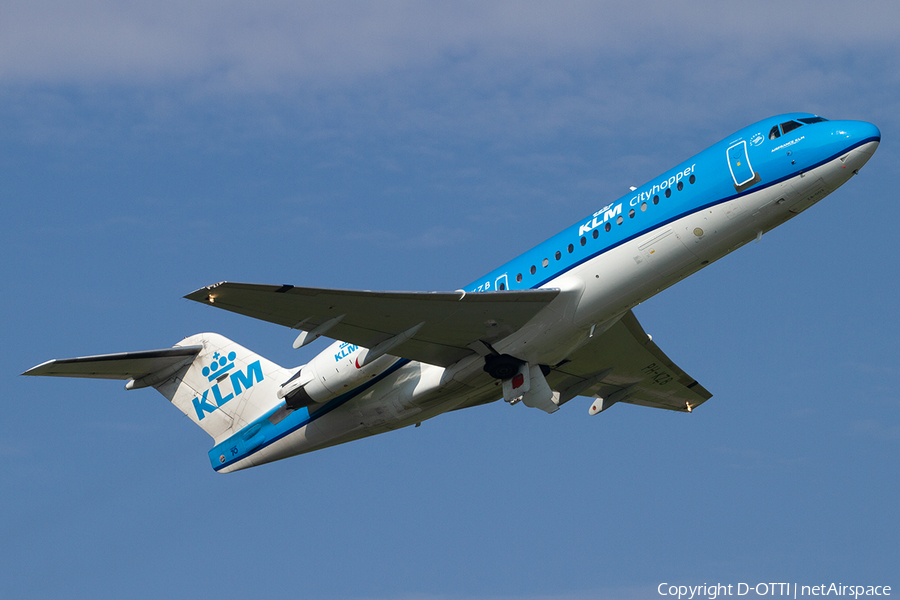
[226, 386]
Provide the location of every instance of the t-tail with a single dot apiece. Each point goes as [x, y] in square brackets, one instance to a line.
[220, 385]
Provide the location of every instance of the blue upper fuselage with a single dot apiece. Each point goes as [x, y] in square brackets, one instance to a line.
[761, 155]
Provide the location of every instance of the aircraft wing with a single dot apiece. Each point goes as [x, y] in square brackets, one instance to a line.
[625, 365]
[124, 365]
[439, 325]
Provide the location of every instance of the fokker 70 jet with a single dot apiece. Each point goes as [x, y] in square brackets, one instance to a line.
[550, 325]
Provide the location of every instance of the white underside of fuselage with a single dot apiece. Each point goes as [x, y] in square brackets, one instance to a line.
[595, 294]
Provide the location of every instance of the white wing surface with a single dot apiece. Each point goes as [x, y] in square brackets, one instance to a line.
[624, 365]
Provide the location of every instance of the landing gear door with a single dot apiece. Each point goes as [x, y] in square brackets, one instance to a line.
[739, 164]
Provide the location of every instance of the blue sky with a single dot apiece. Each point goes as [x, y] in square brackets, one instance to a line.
[146, 151]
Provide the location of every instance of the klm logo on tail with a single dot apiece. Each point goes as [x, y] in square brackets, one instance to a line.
[218, 372]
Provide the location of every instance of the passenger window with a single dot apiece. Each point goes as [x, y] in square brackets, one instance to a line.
[583, 241]
[558, 255]
[656, 198]
[545, 263]
[774, 133]
[790, 126]
[608, 226]
[596, 234]
[571, 248]
[533, 269]
[519, 277]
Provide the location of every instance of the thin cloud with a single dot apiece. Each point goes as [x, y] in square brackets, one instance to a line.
[278, 44]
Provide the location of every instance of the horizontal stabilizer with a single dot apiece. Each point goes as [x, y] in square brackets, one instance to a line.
[445, 323]
[217, 383]
[124, 365]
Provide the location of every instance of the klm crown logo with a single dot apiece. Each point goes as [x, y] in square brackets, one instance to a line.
[220, 364]
[220, 368]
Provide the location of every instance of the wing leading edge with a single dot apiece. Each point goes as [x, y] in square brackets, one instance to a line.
[439, 325]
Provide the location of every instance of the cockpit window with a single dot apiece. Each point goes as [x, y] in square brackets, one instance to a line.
[811, 120]
[790, 126]
[774, 133]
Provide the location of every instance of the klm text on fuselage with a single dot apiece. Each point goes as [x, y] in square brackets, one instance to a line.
[610, 212]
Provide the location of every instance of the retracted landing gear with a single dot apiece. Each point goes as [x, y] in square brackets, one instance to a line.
[501, 366]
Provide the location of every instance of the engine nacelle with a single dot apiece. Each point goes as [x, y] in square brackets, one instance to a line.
[333, 372]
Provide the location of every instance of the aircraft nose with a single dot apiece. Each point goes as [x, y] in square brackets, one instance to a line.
[861, 138]
[870, 132]
[867, 132]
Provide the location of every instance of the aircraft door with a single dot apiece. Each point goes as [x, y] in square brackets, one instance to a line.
[501, 283]
[739, 164]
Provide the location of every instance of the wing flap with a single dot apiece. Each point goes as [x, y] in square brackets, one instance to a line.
[123, 365]
[452, 320]
[625, 358]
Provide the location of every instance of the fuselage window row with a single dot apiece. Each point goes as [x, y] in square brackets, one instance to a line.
[608, 227]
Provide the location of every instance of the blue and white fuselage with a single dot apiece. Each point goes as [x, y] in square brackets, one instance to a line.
[615, 257]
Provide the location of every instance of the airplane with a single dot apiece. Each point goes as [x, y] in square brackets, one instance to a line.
[550, 325]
